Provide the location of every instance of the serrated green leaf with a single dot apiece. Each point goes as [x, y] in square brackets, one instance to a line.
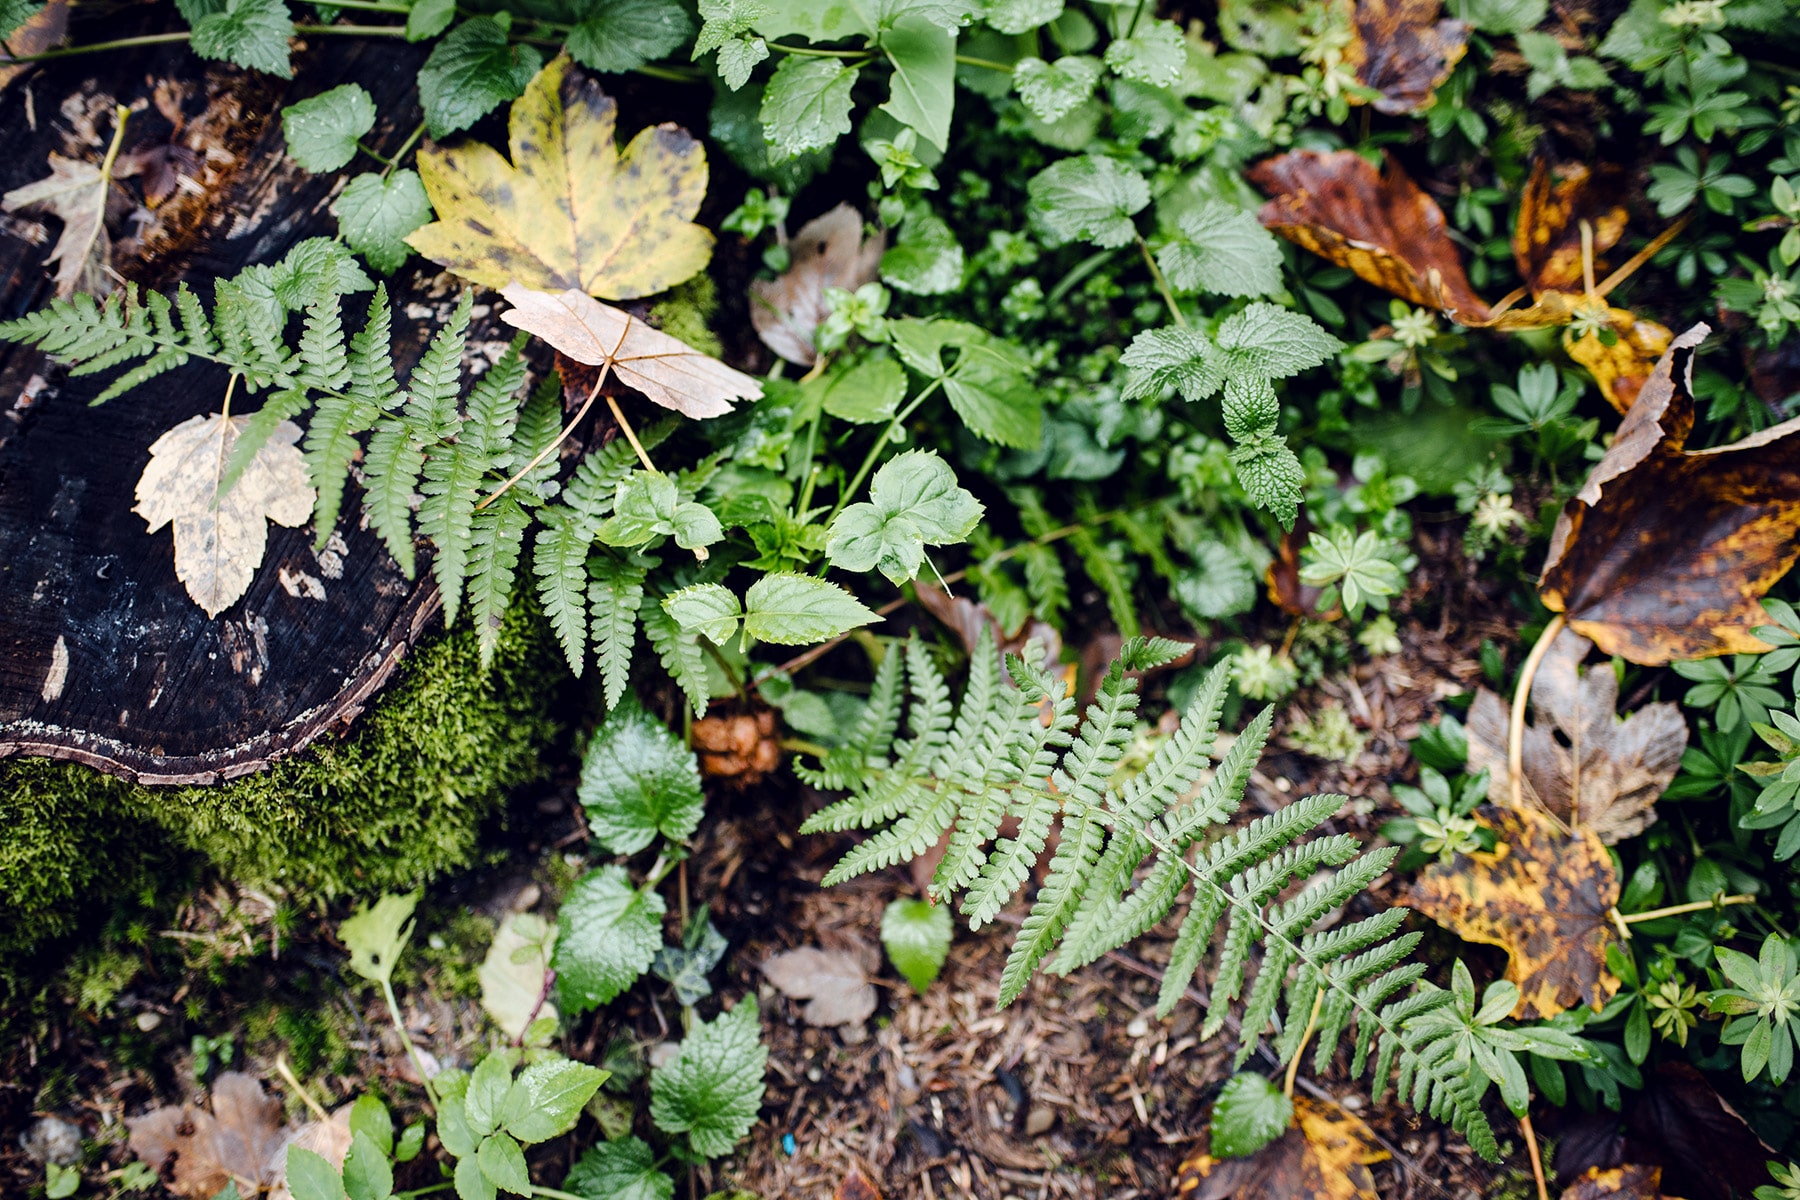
[623, 35]
[926, 259]
[1089, 198]
[1054, 90]
[488, 1085]
[914, 502]
[869, 392]
[619, 1170]
[737, 58]
[377, 933]
[250, 33]
[1154, 54]
[807, 105]
[917, 936]
[473, 71]
[712, 1088]
[322, 132]
[681, 656]
[369, 1115]
[797, 610]
[648, 505]
[708, 609]
[375, 215]
[1171, 357]
[722, 20]
[367, 1173]
[1021, 16]
[615, 597]
[922, 89]
[1250, 1113]
[607, 933]
[504, 1164]
[1220, 584]
[1273, 342]
[310, 1177]
[638, 780]
[1223, 250]
[471, 1184]
[546, 1099]
[1271, 475]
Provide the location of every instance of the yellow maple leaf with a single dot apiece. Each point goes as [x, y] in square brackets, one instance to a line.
[570, 211]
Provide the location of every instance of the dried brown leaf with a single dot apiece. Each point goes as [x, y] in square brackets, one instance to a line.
[1630, 1182]
[219, 539]
[1623, 368]
[1665, 553]
[828, 252]
[235, 1141]
[1324, 1155]
[1585, 767]
[834, 983]
[1544, 897]
[45, 30]
[1403, 50]
[1547, 240]
[665, 369]
[74, 193]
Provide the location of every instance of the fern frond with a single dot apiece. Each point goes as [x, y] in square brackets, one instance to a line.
[496, 536]
[284, 405]
[680, 653]
[435, 385]
[559, 560]
[390, 479]
[324, 361]
[540, 420]
[615, 594]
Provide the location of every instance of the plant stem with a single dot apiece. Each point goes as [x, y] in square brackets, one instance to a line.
[354, 30]
[287, 1073]
[816, 52]
[1312, 1023]
[553, 1194]
[1515, 739]
[868, 463]
[1675, 910]
[372, 6]
[631, 436]
[153, 39]
[412, 1051]
[424, 1191]
[1537, 1159]
[1077, 273]
[991, 65]
[1162, 283]
[412, 139]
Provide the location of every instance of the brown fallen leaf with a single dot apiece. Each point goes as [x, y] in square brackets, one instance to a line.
[856, 1186]
[740, 748]
[1324, 1155]
[1583, 765]
[570, 210]
[1543, 896]
[1629, 1182]
[75, 193]
[330, 1140]
[1665, 553]
[45, 30]
[828, 252]
[1547, 239]
[1404, 51]
[1282, 579]
[834, 983]
[235, 1141]
[666, 370]
[219, 539]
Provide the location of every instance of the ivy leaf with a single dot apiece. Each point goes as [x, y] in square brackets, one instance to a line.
[708, 609]
[624, 1169]
[250, 33]
[607, 933]
[623, 35]
[1153, 55]
[1250, 1113]
[922, 92]
[913, 502]
[377, 215]
[807, 104]
[797, 610]
[1088, 199]
[376, 934]
[571, 211]
[712, 1088]
[473, 71]
[1223, 250]
[428, 18]
[916, 935]
[1054, 90]
[638, 780]
[321, 132]
[546, 1099]
[926, 259]
[1273, 342]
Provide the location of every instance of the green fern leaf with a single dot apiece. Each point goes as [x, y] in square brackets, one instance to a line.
[615, 595]
[390, 479]
[496, 537]
[680, 653]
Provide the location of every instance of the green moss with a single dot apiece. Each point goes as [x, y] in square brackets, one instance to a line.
[400, 802]
[687, 313]
[450, 954]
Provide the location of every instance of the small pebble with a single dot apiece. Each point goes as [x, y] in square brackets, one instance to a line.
[813, 1074]
[52, 1139]
[1039, 1120]
[146, 1021]
[1138, 1028]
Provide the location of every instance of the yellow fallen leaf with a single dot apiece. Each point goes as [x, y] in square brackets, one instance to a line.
[219, 540]
[667, 370]
[569, 211]
[1324, 1155]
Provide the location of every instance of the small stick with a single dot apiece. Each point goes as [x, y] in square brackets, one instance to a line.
[1537, 1162]
[287, 1073]
[1312, 1023]
[630, 435]
[1675, 910]
[1515, 740]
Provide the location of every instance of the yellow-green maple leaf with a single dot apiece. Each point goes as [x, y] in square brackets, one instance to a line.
[570, 210]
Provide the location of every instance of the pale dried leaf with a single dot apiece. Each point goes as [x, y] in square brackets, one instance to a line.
[236, 1141]
[1582, 764]
[828, 252]
[219, 540]
[665, 369]
[74, 193]
[832, 982]
[512, 974]
[330, 1140]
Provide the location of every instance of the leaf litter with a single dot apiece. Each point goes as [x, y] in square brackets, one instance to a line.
[830, 251]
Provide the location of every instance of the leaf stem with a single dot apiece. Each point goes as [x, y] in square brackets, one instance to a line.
[1312, 1023]
[287, 1073]
[354, 30]
[547, 451]
[153, 39]
[1162, 283]
[1675, 910]
[424, 1191]
[817, 52]
[412, 1051]
[1515, 734]
[631, 435]
[990, 64]
[1537, 1159]
[372, 6]
[868, 463]
[399, 156]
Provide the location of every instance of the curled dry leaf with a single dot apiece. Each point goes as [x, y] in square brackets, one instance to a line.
[570, 210]
[1547, 242]
[1324, 1155]
[834, 983]
[219, 539]
[1583, 765]
[1665, 553]
[666, 370]
[1403, 50]
[828, 252]
[235, 1142]
[1543, 896]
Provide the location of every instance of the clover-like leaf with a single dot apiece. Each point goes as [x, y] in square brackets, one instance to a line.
[914, 502]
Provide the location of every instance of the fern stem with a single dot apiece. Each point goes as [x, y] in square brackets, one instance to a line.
[538, 458]
[1312, 1023]
[1537, 1160]
[1515, 734]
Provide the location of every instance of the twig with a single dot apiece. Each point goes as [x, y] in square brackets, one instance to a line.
[1537, 1160]
[1312, 1023]
[1675, 910]
[1515, 739]
[287, 1073]
[547, 451]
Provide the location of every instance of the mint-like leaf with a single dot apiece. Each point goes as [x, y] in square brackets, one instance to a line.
[723, 20]
[926, 259]
[607, 933]
[1171, 357]
[914, 502]
[1223, 250]
[1250, 1113]
[708, 609]
[503, 1163]
[713, 1087]
[737, 58]
[546, 1099]
[310, 1177]
[1155, 54]
[322, 132]
[250, 33]
[473, 71]
[623, 35]
[1271, 475]
[1088, 198]
[428, 18]
[1054, 90]
[619, 1170]
[375, 215]
[1273, 342]
[1021, 16]
[806, 105]
[869, 392]
[638, 780]
[917, 936]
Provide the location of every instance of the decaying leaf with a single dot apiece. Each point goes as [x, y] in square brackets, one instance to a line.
[330, 1140]
[236, 1141]
[856, 1186]
[1403, 50]
[739, 747]
[834, 983]
[1324, 1155]
[828, 252]
[44, 29]
[1665, 553]
[1622, 368]
[570, 210]
[512, 974]
[1583, 765]
[219, 539]
[1629, 1182]
[1543, 896]
[667, 370]
[1547, 241]
[75, 193]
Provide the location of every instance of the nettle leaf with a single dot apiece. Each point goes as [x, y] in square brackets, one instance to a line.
[322, 132]
[375, 215]
[1154, 54]
[1271, 475]
[926, 259]
[1087, 199]
[638, 780]
[624, 1169]
[712, 1088]
[916, 935]
[723, 20]
[807, 104]
[1054, 90]
[1273, 342]
[913, 502]
[922, 92]
[607, 934]
[473, 71]
[546, 1099]
[1223, 250]
[649, 505]
[1021, 16]
[623, 35]
[1172, 357]
[737, 58]
[1251, 1112]
[798, 610]
[250, 33]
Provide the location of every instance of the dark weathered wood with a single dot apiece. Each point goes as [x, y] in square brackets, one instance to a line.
[153, 690]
